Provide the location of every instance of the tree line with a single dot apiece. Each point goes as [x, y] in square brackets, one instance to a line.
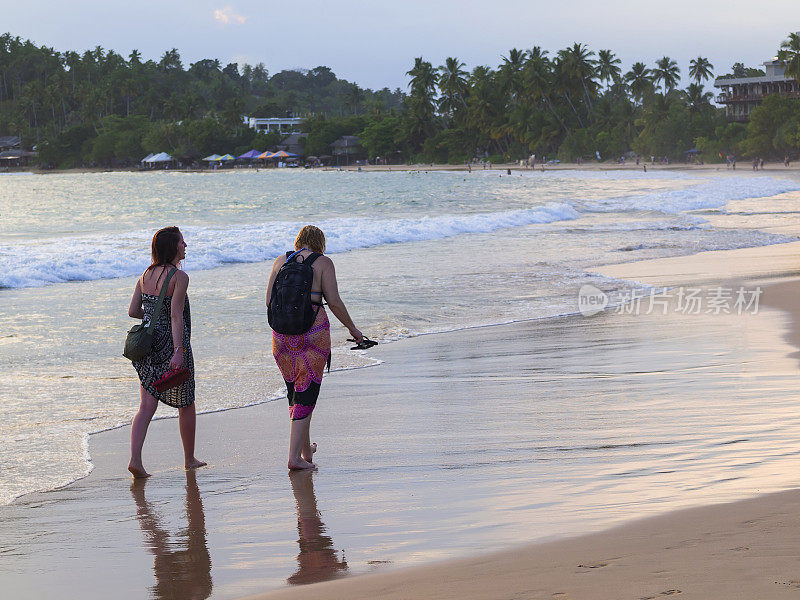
[101, 108]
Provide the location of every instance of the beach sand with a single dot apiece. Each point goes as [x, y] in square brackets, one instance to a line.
[743, 550]
[772, 168]
[433, 455]
[740, 550]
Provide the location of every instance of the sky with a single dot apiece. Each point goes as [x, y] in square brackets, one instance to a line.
[374, 43]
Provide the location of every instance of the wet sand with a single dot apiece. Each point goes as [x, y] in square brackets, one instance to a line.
[458, 445]
[745, 549]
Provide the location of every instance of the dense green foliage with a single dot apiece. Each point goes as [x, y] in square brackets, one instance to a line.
[100, 108]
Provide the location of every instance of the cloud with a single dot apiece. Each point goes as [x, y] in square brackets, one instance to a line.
[227, 16]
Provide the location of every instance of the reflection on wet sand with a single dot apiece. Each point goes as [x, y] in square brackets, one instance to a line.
[182, 565]
[317, 559]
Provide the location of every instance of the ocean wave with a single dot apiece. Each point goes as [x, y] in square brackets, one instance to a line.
[711, 194]
[87, 258]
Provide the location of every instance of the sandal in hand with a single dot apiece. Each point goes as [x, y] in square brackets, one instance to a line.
[364, 344]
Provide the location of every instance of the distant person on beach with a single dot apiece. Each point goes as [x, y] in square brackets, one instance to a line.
[302, 357]
[171, 346]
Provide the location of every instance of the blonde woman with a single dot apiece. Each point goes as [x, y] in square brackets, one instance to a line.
[302, 358]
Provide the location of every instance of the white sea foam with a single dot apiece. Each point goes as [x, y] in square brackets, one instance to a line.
[86, 258]
[710, 194]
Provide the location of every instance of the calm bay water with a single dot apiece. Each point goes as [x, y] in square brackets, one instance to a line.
[415, 253]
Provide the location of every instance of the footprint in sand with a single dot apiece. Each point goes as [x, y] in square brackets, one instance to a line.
[598, 564]
[666, 593]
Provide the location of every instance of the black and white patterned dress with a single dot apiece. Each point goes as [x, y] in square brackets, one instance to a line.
[155, 364]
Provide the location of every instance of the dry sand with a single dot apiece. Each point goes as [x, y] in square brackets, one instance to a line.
[773, 168]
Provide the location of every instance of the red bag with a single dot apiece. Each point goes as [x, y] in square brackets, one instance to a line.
[172, 378]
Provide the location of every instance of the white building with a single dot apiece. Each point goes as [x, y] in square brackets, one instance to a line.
[741, 95]
[282, 125]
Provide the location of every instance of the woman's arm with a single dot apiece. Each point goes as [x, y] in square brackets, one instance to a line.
[176, 316]
[135, 309]
[330, 289]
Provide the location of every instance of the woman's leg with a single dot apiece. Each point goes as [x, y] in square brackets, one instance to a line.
[187, 419]
[308, 448]
[147, 408]
[298, 441]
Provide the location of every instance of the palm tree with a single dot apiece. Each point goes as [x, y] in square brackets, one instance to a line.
[482, 103]
[510, 71]
[420, 102]
[639, 80]
[452, 86]
[667, 71]
[538, 80]
[789, 55]
[696, 98]
[423, 77]
[170, 61]
[577, 64]
[232, 114]
[700, 69]
[655, 112]
[354, 97]
[565, 83]
[608, 66]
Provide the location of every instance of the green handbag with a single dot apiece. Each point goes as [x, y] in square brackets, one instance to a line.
[140, 337]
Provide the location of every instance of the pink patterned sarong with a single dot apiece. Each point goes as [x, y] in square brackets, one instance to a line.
[302, 359]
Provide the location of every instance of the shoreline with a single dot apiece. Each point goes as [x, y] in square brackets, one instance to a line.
[647, 271]
[743, 549]
[607, 557]
[479, 574]
[776, 167]
[707, 551]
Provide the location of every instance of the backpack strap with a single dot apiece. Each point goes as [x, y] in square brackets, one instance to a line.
[290, 255]
[308, 261]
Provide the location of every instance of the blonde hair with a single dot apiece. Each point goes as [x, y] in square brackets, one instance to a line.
[312, 238]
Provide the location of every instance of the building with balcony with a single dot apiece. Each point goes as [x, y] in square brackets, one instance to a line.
[741, 95]
[282, 125]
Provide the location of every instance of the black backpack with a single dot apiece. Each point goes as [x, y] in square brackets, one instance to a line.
[290, 310]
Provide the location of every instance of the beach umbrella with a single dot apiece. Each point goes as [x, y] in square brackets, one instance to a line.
[161, 157]
[147, 158]
[266, 154]
[212, 158]
[226, 157]
[283, 154]
[251, 154]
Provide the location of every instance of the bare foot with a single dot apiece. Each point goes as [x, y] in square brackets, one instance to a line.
[194, 464]
[310, 456]
[138, 471]
[300, 463]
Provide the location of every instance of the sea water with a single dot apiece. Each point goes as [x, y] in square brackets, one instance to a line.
[415, 253]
